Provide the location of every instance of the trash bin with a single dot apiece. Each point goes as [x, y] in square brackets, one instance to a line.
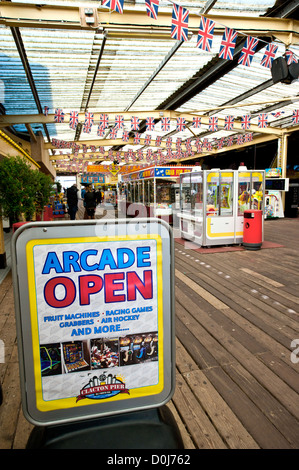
[253, 229]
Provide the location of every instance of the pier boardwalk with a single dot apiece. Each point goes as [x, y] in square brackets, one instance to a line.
[237, 346]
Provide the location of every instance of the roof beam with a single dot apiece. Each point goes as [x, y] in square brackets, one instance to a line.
[6, 120]
[70, 17]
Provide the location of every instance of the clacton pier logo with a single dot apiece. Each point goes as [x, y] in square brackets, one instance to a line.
[102, 387]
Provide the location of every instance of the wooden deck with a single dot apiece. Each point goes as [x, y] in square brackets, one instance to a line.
[236, 316]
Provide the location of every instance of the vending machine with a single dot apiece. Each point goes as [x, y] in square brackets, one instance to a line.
[212, 204]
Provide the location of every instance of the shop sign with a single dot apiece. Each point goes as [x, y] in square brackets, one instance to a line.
[93, 179]
[94, 309]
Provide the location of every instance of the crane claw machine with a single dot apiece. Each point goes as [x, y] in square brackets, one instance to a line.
[212, 204]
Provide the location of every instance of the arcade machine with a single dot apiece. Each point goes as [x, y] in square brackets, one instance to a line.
[73, 355]
[104, 353]
[275, 185]
[212, 204]
[50, 355]
[152, 192]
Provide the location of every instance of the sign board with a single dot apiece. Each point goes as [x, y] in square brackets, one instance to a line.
[95, 313]
[92, 179]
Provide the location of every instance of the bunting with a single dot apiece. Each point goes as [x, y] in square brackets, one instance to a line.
[116, 5]
[228, 44]
[290, 57]
[135, 123]
[248, 51]
[205, 34]
[179, 23]
[152, 7]
[269, 55]
[74, 119]
[150, 124]
[59, 115]
[295, 117]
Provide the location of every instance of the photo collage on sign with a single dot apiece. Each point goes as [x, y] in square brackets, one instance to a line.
[101, 353]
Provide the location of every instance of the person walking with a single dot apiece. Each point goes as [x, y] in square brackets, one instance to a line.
[90, 203]
[72, 201]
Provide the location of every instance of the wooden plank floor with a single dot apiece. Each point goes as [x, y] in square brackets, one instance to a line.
[236, 316]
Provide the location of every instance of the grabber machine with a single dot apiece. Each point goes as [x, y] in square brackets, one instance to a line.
[212, 204]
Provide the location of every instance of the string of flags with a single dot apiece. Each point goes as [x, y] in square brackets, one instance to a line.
[179, 31]
[105, 126]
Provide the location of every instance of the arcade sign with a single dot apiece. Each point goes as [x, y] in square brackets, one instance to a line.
[95, 317]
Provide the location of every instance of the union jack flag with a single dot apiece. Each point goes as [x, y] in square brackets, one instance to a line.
[248, 137]
[228, 44]
[169, 142]
[46, 110]
[149, 155]
[152, 8]
[119, 122]
[165, 124]
[196, 122]
[139, 154]
[104, 120]
[150, 124]
[113, 133]
[277, 114]
[198, 145]
[213, 124]
[59, 115]
[248, 51]
[74, 119]
[230, 141]
[262, 120]
[290, 56]
[205, 34]
[135, 123]
[88, 119]
[137, 138]
[147, 139]
[179, 23]
[100, 131]
[229, 123]
[86, 128]
[158, 141]
[219, 144]
[240, 139]
[178, 142]
[269, 55]
[116, 5]
[246, 121]
[295, 117]
[125, 136]
[188, 143]
[180, 124]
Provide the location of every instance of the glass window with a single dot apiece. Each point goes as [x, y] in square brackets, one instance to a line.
[212, 206]
[146, 192]
[129, 192]
[151, 191]
[243, 193]
[185, 196]
[257, 192]
[163, 191]
[226, 193]
[196, 193]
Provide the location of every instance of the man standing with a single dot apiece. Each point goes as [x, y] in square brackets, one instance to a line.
[89, 203]
[72, 201]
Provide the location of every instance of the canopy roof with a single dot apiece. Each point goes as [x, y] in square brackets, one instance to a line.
[59, 56]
